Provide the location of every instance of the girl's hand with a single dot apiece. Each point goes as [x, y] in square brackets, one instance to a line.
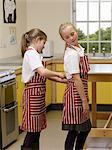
[85, 106]
[67, 45]
[63, 80]
[61, 75]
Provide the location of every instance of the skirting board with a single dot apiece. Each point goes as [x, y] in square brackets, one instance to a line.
[100, 107]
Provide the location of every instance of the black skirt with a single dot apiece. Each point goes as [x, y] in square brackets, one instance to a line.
[86, 126]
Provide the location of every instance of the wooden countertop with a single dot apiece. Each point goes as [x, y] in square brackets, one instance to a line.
[100, 61]
[59, 60]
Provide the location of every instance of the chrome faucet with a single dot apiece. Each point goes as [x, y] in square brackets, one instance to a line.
[103, 51]
[93, 51]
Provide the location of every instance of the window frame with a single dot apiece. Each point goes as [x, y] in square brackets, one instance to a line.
[74, 21]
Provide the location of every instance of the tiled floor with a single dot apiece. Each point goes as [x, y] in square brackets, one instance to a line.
[53, 137]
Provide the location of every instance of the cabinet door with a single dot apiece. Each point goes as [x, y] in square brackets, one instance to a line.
[104, 93]
[20, 87]
[90, 92]
[60, 87]
[48, 89]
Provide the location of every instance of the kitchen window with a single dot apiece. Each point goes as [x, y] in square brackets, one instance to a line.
[93, 19]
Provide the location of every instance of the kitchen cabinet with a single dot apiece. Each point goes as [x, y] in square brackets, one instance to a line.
[100, 73]
[20, 87]
[103, 90]
[60, 87]
[48, 97]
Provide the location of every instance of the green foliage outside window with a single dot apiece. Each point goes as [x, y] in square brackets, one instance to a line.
[101, 37]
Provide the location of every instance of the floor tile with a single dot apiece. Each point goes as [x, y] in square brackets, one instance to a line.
[52, 138]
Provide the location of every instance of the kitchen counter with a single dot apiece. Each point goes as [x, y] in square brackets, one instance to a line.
[17, 60]
[100, 73]
[100, 69]
[59, 59]
[16, 63]
[16, 68]
[10, 67]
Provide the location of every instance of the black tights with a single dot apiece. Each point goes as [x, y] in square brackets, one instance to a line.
[80, 140]
[31, 138]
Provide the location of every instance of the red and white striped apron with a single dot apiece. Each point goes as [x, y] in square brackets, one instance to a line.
[34, 109]
[72, 111]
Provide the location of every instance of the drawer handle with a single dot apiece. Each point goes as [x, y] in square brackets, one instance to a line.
[10, 109]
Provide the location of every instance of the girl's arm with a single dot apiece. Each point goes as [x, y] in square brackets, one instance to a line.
[79, 86]
[58, 79]
[80, 89]
[48, 73]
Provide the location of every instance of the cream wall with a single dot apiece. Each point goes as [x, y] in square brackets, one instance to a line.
[48, 15]
[45, 14]
[6, 49]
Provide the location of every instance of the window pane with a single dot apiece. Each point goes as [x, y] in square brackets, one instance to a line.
[106, 47]
[94, 23]
[93, 46]
[82, 31]
[105, 11]
[81, 9]
[93, 11]
[93, 31]
[74, 18]
[105, 31]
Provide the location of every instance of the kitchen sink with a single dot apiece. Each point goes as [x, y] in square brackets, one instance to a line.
[100, 56]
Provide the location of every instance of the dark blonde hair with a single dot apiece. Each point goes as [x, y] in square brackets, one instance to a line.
[64, 25]
[27, 38]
